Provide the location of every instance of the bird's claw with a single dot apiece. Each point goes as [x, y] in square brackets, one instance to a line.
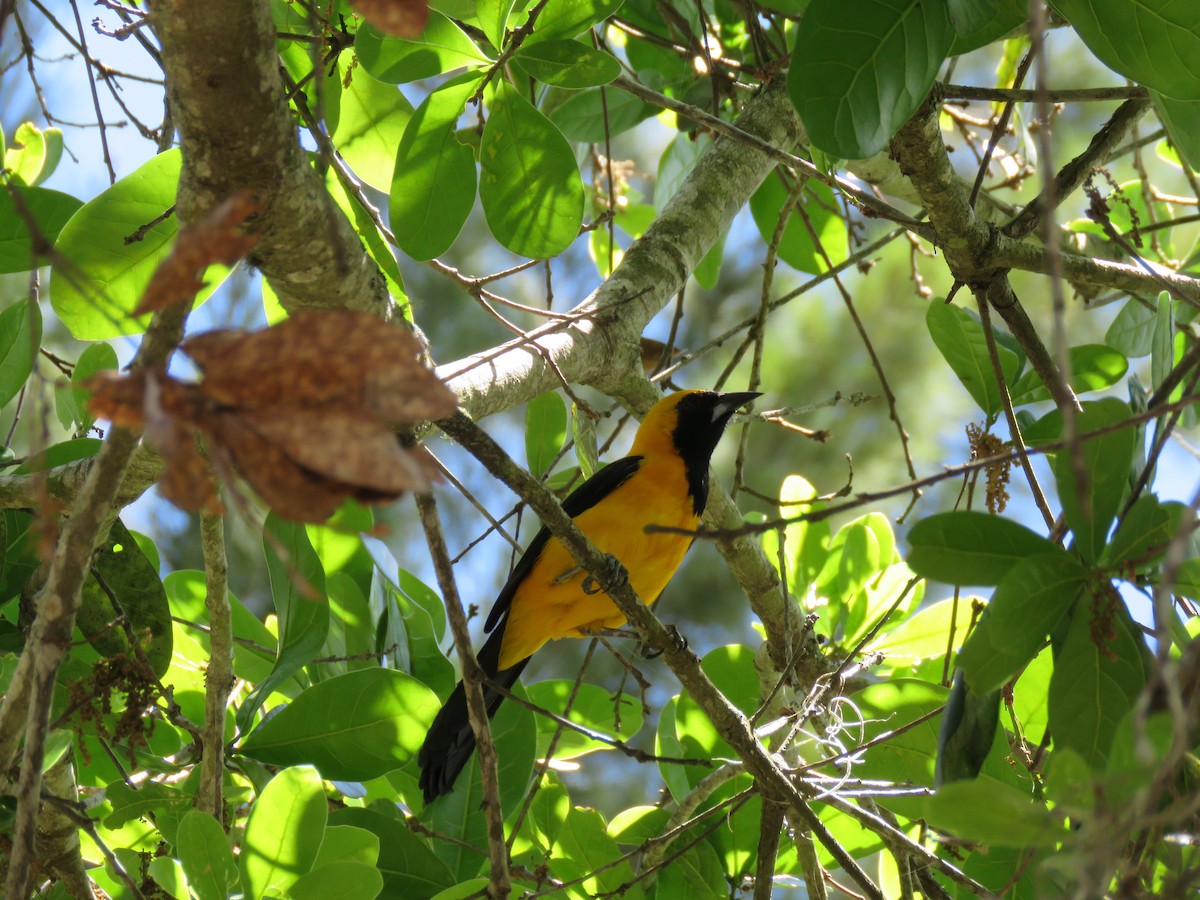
[678, 641]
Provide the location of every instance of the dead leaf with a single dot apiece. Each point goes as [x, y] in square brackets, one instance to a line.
[319, 359]
[217, 238]
[304, 412]
[403, 18]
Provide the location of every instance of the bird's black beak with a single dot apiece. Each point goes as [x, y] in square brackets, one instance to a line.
[725, 406]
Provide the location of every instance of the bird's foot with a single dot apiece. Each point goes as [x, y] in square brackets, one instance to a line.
[678, 641]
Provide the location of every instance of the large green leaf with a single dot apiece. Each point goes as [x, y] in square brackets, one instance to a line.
[433, 185]
[1143, 535]
[298, 589]
[971, 547]
[1093, 367]
[593, 115]
[545, 431]
[441, 47]
[1107, 459]
[343, 880]
[457, 813]
[107, 253]
[988, 812]
[584, 846]
[122, 573]
[797, 247]
[70, 401]
[284, 832]
[352, 728]
[1132, 331]
[1027, 605]
[594, 708]
[1154, 42]
[1181, 118]
[696, 873]
[858, 73]
[50, 211]
[409, 868]
[1098, 674]
[20, 338]
[958, 335]
[203, 850]
[561, 19]
[567, 64]
[530, 186]
[937, 629]
[373, 117]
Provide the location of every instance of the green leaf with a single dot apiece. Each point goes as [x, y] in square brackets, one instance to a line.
[150, 800]
[1026, 607]
[855, 79]
[1153, 42]
[168, 874]
[585, 850]
[347, 843]
[1107, 460]
[338, 881]
[50, 211]
[1181, 118]
[806, 543]
[567, 18]
[590, 116]
[926, 635]
[372, 120]
[284, 832]
[441, 48]
[594, 708]
[1093, 367]
[545, 431]
[298, 589]
[108, 253]
[457, 813]
[567, 64]
[433, 187]
[71, 401]
[971, 547]
[1143, 535]
[409, 868]
[530, 186]
[122, 572]
[992, 20]
[203, 849]
[797, 247]
[20, 338]
[696, 874]
[1098, 674]
[958, 335]
[35, 154]
[1132, 331]
[969, 729]
[352, 728]
[988, 812]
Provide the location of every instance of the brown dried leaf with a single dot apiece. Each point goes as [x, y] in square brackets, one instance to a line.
[120, 398]
[316, 359]
[341, 445]
[292, 491]
[403, 18]
[214, 239]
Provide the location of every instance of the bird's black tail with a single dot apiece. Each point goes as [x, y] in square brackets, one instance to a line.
[450, 742]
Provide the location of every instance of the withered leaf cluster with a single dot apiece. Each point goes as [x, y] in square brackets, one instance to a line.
[216, 238]
[304, 411]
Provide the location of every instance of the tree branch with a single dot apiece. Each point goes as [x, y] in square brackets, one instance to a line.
[227, 98]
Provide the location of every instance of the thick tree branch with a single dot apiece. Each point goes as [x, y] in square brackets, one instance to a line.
[227, 98]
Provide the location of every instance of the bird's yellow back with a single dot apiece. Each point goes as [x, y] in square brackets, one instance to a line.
[554, 602]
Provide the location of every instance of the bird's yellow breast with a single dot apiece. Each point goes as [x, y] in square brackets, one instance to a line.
[554, 601]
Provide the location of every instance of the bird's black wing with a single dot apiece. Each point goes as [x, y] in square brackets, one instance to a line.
[581, 499]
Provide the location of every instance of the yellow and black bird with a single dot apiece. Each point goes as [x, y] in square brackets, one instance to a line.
[663, 481]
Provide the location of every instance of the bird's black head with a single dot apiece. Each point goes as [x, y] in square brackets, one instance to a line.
[693, 421]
